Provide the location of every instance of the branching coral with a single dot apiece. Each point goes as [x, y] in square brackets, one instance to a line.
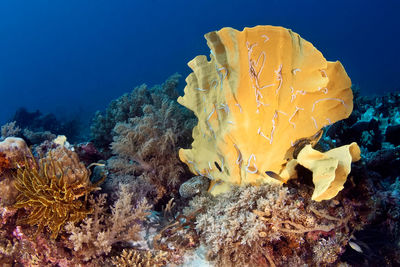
[10, 129]
[145, 146]
[51, 191]
[38, 127]
[270, 225]
[119, 110]
[131, 106]
[99, 232]
[40, 251]
[9, 247]
[137, 258]
[178, 235]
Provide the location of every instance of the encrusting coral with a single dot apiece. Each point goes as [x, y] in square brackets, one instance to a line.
[263, 91]
[52, 189]
[14, 148]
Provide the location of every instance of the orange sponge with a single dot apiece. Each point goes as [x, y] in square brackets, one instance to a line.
[330, 169]
[263, 90]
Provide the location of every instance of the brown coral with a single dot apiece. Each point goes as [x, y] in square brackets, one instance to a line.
[100, 231]
[137, 258]
[147, 146]
[51, 191]
[13, 152]
[270, 225]
[131, 105]
[72, 168]
[14, 149]
[148, 128]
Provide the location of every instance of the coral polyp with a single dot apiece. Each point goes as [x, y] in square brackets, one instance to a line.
[51, 194]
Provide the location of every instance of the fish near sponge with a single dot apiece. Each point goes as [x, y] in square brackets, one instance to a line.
[263, 90]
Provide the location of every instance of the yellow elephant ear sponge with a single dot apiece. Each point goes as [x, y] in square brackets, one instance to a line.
[330, 169]
[263, 90]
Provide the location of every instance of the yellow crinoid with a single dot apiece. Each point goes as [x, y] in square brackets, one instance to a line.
[53, 190]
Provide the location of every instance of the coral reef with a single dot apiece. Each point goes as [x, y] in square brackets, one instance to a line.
[252, 107]
[263, 91]
[272, 226]
[38, 137]
[24, 246]
[8, 245]
[145, 145]
[134, 257]
[102, 230]
[372, 187]
[10, 129]
[88, 153]
[131, 105]
[371, 124]
[37, 126]
[14, 149]
[177, 237]
[19, 248]
[13, 153]
[264, 225]
[148, 146]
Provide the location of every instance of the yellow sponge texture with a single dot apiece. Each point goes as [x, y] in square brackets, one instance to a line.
[263, 90]
[330, 169]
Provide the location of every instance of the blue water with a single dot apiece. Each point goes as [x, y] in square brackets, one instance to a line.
[72, 57]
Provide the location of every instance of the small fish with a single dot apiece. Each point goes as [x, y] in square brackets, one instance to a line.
[355, 246]
[274, 175]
